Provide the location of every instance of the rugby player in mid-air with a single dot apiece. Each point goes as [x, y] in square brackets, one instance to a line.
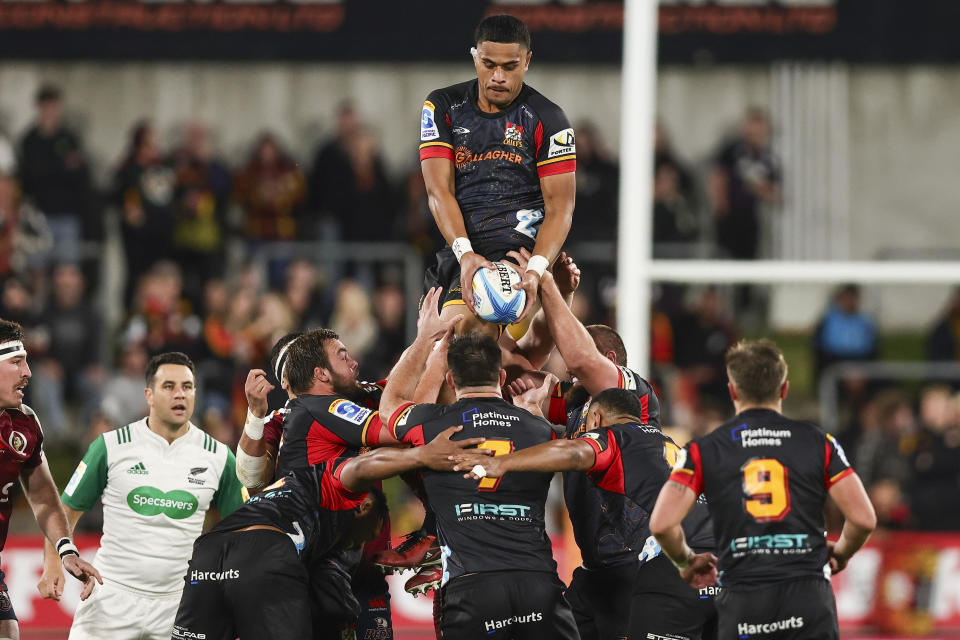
[498, 161]
[766, 478]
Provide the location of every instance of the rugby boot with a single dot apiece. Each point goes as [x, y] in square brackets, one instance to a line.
[427, 577]
[416, 549]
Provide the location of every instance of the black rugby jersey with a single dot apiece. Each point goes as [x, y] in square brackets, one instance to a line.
[499, 159]
[310, 505]
[766, 478]
[584, 499]
[498, 523]
[318, 428]
[612, 523]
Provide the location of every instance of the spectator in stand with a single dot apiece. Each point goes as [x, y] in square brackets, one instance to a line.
[306, 296]
[744, 178]
[69, 371]
[331, 165]
[8, 156]
[845, 333]
[54, 175]
[369, 203]
[270, 190]
[144, 192]
[674, 222]
[200, 202]
[162, 319]
[389, 308]
[25, 239]
[664, 155]
[123, 400]
[887, 429]
[353, 319]
[598, 179]
[705, 332]
[422, 231]
[943, 343]
[17, 305]
[935, 481]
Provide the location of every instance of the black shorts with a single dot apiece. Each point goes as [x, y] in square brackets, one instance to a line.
[600, 599]
[446, 274]
[665, 607]
[6, 605]
[334, 607]
[373, 594]
[797, 609]
[246, 584]
[521, 605]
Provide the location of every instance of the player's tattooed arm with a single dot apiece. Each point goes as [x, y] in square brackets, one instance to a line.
[360, 473]
[556, 455]
[402, 382]
[438, 177]
[594, 370]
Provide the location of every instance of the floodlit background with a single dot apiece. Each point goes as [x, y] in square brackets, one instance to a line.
[207, 176]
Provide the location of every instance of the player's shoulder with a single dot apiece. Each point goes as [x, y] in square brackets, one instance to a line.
[539, 103]
[24, 417]
[450, 95]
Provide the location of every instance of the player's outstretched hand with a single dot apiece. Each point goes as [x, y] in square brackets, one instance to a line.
[429, 325]
[837, 562]
[82, 571]
[532, 388]
[566, 274]
[256, 389]
[441, 453]
[470, 263]
[702, 572]
[478, 466]
[51, 583]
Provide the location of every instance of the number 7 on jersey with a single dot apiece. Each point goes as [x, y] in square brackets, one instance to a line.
[499, 448]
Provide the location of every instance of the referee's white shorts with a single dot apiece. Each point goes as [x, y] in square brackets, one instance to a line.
[119, 613]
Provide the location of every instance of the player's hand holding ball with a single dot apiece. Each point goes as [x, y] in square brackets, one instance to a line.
[497, 294]
[470, 264]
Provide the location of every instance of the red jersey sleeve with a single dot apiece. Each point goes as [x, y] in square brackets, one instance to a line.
[557, 412]
[607, 469]
[333, 495]
[435, 139]
[836, 467]
[688, 470]
[555, 143]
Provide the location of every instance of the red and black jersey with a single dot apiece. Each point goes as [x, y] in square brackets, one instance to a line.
[766, 478]
[273, 427]
[569, 403]
[499, 159]
[318, 428]
[21, 440]
[310, 505]
[496, 524]
[612, 523]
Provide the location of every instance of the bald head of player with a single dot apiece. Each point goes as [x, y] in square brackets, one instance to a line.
[501, 55]
[474, 361]
[758, 375]
[614, 406]
[14, 372]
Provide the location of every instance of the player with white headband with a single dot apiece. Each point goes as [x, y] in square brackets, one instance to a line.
[21, 440]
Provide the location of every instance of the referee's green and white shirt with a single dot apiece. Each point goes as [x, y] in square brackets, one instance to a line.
[155, 496]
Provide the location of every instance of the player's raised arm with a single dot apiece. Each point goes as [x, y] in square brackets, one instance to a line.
[402, 383]
[360, 473]
[576, 345]
[253, 453]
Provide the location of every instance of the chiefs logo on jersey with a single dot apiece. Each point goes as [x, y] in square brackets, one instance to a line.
[513, 135]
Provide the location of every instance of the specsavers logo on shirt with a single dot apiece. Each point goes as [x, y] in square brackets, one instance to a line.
[150, 501]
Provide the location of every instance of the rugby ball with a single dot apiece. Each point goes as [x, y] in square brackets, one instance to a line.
[494, 298]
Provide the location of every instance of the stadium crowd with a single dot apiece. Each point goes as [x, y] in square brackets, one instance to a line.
[192, 226]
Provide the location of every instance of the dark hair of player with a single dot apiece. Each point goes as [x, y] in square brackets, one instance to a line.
[619, 402]
[757, 369]
[607, 339]
[307, 353]
[280, 344]
[171, 357]
[474, 360]
[47, 93]
[10, 331]
[502, 28]
[379, 510]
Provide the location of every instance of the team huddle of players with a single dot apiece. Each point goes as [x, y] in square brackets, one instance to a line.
[723, 538]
